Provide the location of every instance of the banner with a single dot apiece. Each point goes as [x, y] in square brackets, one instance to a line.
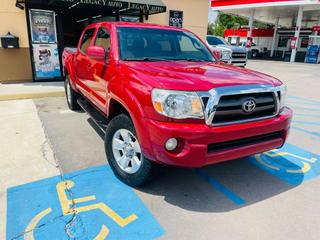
[46, 61]
[43, 26]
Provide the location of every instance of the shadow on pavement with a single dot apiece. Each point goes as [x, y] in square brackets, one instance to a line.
[186, 189]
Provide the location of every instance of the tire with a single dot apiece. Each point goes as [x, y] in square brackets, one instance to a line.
[71, 95]
[255, 53]
[128, 172]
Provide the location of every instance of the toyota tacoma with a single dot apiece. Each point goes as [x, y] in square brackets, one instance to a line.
[161, 98]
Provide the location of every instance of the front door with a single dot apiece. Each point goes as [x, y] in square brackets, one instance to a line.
[83, 64]
[101, 73]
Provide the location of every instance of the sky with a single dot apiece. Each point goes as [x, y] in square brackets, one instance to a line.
[212, 14]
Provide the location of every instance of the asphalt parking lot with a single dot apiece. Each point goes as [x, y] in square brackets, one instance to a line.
[274, 195]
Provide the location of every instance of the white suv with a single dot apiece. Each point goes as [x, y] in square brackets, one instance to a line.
[238, 54]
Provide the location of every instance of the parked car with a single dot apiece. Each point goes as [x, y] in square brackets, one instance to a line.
[256, 50]
[222, 54]
[238, 54]
[161, 98]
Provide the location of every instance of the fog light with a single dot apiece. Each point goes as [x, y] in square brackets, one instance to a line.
[171, 144]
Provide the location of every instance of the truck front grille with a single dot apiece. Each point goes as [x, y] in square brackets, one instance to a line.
[231, 107]
[215, 147]
[239, 55]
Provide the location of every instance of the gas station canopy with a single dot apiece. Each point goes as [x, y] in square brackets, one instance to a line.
[269, 10]
[284, 13]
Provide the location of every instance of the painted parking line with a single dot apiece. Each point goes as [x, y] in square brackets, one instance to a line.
[290, 163]
[305, 109]
[316, 134]
[220, 187]
[90, 204]
[304, 103]
[307, 115]
[307, 123]
[303, 99]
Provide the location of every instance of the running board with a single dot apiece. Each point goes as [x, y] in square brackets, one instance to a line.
[99, 119]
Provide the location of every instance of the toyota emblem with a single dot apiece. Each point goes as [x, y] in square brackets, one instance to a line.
[249, 105]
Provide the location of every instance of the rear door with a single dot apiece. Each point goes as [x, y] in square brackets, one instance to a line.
[83, 65]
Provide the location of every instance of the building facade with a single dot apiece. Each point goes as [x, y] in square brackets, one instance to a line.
[70, 16]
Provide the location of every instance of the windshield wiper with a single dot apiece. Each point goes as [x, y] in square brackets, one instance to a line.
[191, 60]
[147, 59]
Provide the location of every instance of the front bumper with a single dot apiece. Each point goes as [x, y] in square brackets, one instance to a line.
[239, 62]
[195, 138]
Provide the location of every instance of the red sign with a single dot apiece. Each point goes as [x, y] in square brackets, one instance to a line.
[316, 28]
[255, 32]
[293, 43]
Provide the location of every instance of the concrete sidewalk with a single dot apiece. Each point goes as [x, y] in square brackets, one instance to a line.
[31, 90]
[26, 154]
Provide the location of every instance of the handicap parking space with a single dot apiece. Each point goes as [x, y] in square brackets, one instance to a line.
[291, 164]
[88, 204]
[276, 192]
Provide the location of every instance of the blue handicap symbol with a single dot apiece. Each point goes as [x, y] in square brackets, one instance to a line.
[290, 163]
[89, 204]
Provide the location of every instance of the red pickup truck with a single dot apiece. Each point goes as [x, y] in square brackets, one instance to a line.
[162, 98]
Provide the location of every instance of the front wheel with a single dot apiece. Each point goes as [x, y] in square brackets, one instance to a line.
[124, 152]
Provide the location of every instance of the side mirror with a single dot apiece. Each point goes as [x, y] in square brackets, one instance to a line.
[96, 52]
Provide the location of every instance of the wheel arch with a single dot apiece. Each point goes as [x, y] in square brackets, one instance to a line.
[136, 114]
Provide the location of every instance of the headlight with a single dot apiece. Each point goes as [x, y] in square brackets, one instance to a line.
[177, 104]
[283, 96]
[225, 55]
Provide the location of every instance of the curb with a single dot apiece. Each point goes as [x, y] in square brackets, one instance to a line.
[19, 96]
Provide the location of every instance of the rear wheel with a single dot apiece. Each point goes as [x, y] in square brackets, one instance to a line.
[124, 152]
[71, 95]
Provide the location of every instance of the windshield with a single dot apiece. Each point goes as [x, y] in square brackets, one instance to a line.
[149, 44]
[216, 41]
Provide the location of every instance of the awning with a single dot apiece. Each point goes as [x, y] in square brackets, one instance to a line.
[147, 7]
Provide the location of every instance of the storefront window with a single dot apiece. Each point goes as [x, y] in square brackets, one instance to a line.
[283, 41]
[304, 42]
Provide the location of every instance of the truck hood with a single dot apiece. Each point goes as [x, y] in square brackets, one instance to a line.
[232, 48]
[195, 76]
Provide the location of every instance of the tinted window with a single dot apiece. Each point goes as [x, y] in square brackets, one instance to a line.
[103, 39]
[86, 39]
[161, 44]
[214, 41]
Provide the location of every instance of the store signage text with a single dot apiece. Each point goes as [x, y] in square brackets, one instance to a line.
[118, 4]
[106, 3]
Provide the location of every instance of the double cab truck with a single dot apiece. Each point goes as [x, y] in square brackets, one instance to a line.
[161, 98]
[234, 55]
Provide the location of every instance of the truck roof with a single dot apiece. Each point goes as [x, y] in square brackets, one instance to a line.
[136, 24]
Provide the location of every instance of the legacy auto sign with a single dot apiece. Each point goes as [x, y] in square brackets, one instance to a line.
[176, 19]
[117, 4]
